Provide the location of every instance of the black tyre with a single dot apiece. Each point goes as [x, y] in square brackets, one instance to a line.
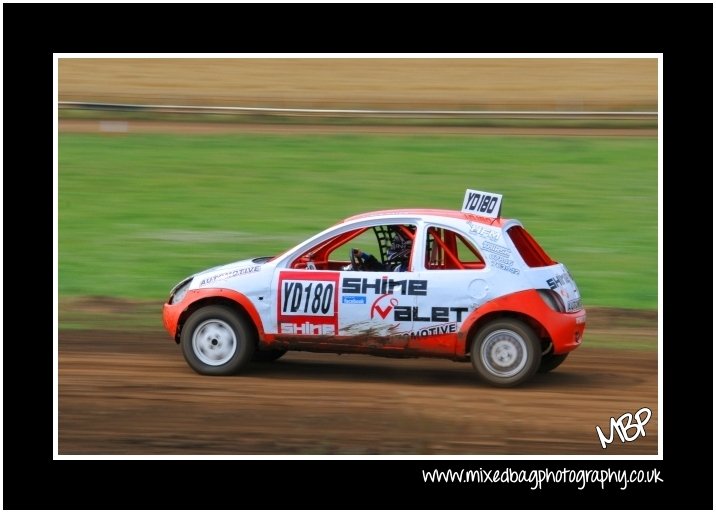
[506, 352]
[268, 355]
[216, 340]
[551, 361]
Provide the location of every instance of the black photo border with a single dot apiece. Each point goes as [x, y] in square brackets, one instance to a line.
[34, 32]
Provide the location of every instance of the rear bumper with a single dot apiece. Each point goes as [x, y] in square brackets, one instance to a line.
[566, 330]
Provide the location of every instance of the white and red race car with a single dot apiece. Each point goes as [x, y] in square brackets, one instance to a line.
[466, 285]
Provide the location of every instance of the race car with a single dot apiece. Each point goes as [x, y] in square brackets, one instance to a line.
[467, 285]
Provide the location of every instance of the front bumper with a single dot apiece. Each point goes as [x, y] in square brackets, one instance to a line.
[170, 317]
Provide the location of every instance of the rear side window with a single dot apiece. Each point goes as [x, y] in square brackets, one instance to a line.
[447, 250]
[531, 252]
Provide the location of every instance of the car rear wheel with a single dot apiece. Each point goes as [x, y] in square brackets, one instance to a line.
[215, 340]
[268, 355]
[551, 361]
[505, 352]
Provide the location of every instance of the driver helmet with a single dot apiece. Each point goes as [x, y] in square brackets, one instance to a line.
[399, 251]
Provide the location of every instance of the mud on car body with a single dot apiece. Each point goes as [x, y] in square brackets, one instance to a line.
[474, 286]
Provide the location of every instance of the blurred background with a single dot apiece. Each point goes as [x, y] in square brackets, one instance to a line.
[148, 196]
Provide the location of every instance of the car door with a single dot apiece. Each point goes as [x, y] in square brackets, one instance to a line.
[329, 301]
[456, 279]
[378, 304]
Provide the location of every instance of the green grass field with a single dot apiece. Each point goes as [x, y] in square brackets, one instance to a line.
[137, 213]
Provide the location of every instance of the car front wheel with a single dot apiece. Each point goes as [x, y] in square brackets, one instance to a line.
[215, 340]
[505, 352]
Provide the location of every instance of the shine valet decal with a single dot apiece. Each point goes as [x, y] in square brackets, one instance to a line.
[386, 305]
[387, 291]
[308, 303]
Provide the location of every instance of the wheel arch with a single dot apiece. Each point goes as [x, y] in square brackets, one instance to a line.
[536, 326]
[515, 306]
[233, 300]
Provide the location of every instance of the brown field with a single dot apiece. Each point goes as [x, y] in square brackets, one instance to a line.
[474, 83]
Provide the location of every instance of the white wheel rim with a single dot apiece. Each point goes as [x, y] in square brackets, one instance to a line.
[214, 342]
[504, 353]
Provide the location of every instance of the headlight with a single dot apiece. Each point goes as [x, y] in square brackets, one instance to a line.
[178, 292]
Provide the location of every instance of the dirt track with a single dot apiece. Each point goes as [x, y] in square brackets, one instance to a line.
[133, 394]
[117, 127]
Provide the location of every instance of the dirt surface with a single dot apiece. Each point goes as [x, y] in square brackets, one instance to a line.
[131, 393]
[111, 127]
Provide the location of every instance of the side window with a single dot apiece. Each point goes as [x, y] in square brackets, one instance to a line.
[318, 257]
[376, 248]
[449, 250]
[339, 256]
[366, 241]
[382, 248]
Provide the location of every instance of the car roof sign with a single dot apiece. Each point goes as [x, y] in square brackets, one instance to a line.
[484, 204]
